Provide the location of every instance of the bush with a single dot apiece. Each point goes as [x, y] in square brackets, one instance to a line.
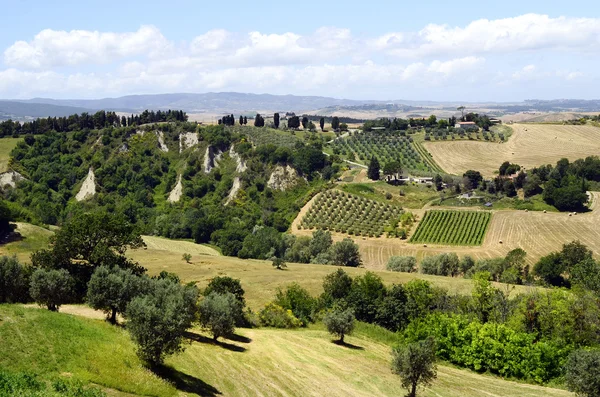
[299, 301]
[339, 322]
[277, 317]
[51, 287]
[27, 385]
[583, 373]
[218, 313]
[14, 280]
[366, 295]
[225, 284]
[158, 321]
[402, 264]
[440, 265]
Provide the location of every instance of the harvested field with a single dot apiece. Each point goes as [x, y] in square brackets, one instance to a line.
[530, 145]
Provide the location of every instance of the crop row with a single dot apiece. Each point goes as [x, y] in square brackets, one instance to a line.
[452, 227]
[347, 213]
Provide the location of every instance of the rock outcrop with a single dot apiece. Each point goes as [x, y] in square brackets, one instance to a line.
[283, 178]
[187, 140]
[177, 191]
[10, 178]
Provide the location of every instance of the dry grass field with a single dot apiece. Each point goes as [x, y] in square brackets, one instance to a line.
[530, 145]
[6, 146]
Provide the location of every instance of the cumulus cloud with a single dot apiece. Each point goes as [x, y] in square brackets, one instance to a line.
[525, 32]
[52, 48]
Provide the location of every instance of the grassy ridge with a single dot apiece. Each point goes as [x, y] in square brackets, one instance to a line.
[6, 146]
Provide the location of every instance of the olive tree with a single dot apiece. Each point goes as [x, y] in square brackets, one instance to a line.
[339, 322]
[218, 313]
[158, 320]
[583, 373]
[402, 264]
[51, 287]
[111, 290]
[345, 253]
[415, 364]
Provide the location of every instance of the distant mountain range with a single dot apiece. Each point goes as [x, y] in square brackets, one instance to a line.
[240, 103]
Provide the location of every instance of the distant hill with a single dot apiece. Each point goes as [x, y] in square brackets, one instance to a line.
[19, 110]
[206, 103]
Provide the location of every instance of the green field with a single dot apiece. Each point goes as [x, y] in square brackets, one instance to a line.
[452, 227]
[266, 362]
[6, 146]
[408, 196]
[347, 213]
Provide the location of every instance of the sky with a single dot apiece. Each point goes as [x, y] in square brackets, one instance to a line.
[386, 50]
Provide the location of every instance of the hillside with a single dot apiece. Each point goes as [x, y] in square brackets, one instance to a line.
[17, 110]
[265, 361]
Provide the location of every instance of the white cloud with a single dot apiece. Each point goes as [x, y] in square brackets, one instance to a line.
[52, 48]
[525, 32]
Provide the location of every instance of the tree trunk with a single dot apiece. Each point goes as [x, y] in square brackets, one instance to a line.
[413, 390]
[342, 338]
[113, 316]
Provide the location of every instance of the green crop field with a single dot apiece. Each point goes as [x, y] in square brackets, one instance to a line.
[347, 213]
[452, 227]
[386, 146]
[263, 136]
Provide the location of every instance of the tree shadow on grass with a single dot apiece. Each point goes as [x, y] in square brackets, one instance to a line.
[204, 339]
[184, 382]
[348, 345]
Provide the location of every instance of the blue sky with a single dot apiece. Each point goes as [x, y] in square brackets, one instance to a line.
[437, 50]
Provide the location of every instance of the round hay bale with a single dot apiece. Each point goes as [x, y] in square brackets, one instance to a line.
[570, 214]
[425, 245]
[544, 211]
[500, 242]
[574, 213]
[526, 210]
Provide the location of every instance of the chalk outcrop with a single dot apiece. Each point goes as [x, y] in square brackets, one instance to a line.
[177, 191]
[10, 178]
[187, 140]
[241, 164]
[161, 141]
[283, 178]
[88, 188]
[235, 188]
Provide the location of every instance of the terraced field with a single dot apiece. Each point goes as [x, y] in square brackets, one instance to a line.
[530, 145]
[452, 227]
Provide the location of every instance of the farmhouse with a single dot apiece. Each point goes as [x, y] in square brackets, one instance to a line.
[427, 180]
[465, 124]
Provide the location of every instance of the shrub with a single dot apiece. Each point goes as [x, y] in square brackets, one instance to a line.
[51, 287]
[158, 321]
[298, 300]
[218, 313]
[339, 322]
[225, 284]
[583, 373]
[365, 296]
[402, 264]
[277, 317]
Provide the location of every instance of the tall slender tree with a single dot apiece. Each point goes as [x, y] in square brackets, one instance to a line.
[374, 167]
[322, 123]
[276, 120]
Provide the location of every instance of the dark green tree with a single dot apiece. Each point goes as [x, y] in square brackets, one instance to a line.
[6, 227]
[14, 280]
[472, 179]
[373, 170]
[322, 123]
[336, 286]
[304, 122]
[415, 364]
[335, 123]
[366, 295]
[276, 120]
[345, 253]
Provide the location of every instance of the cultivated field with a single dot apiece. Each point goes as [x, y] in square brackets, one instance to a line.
[347, 213]
[452, 227]
[6, 146]
[536, 232]
[530, 145]
[267, 362]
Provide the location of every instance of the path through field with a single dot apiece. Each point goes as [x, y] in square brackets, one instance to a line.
[530, 145]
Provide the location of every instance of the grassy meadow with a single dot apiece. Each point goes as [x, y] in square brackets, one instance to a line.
[6, 146]
[267, 362]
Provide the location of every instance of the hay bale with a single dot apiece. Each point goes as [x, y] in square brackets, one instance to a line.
[500, 241]
[544, 211]
[425, 245]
